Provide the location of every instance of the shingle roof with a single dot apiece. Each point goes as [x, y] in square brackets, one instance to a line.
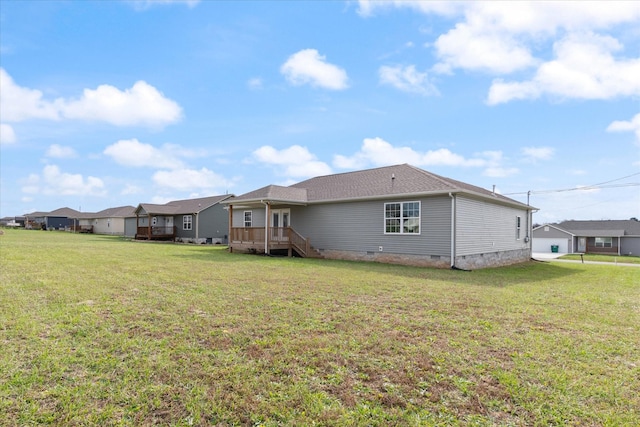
[602, 228]
[371, 183]
[187, 206]
[275, 192]
[119, 212]
[61, 212]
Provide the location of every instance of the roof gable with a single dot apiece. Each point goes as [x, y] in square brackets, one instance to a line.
[180, 207]
[119, 212]
[275, 193]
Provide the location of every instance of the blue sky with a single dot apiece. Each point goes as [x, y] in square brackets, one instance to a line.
[112, 103]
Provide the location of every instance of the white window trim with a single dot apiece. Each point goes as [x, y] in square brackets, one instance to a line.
[604, 241]
[244, 218]
[401, 232]
[185, 222]
[518, 226]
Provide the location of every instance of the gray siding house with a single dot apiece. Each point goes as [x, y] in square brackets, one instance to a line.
[617, 237]
[397, 214]
[202, 220]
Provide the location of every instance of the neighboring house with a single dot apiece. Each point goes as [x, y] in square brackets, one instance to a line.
[201, 220]
[619, 237]
[12, 221]
[60, 219]
[108, 221]
[396, 214]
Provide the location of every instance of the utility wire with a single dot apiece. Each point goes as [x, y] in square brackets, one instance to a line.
[585, 188]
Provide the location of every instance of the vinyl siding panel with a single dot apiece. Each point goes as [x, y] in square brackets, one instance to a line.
[359, 226]
[113, 226]
[130, 227]
[257, 217]
[483, 227]
[630, 245]
[213, 222]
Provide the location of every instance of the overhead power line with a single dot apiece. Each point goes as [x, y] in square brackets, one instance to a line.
[583, 188]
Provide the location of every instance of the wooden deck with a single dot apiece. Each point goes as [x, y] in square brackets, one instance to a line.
[156, 233]
[252, 239]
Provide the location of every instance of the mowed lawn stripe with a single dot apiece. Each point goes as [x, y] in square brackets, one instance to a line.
[101, 330]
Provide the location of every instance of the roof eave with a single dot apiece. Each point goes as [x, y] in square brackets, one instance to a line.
[427, 194]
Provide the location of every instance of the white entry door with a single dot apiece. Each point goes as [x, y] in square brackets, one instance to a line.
[582, 244]
[280, 220]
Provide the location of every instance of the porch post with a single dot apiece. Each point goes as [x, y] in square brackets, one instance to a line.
[149, 226]
[267, 211]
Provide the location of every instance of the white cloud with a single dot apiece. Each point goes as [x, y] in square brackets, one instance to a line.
[146, 4]
[584, 67]
[505, 37]
[141, 105]
[53, 182]
[500, 172]
[255, 83]
[60, 152]
[487, 50]
[131, 189]
[7, 134]
[309, 67]
[295, 161]
[131, 152]
[368, 7]
[533, 154]
[407, 79]
[378, 152]
[632, 125]
[191, 179]
[19, 103]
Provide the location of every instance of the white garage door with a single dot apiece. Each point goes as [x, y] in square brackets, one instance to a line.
[544, 245]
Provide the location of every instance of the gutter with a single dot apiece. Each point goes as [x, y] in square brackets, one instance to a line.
[453, 230]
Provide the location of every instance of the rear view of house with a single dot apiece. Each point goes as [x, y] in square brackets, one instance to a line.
[397, 214]
[109, 221]
[202, 220]
[59, 219]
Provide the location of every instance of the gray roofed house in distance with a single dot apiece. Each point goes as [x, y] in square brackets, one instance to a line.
[201, 220]
[613, 237]
[397, 214]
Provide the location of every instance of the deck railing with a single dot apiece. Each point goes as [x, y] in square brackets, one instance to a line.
[277, 236]
[247, 235]
[162, 232]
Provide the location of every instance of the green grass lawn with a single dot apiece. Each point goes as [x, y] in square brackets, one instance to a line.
[603, 258]
[97, 330]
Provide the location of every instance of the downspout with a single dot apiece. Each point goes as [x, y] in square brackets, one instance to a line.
[230, 228]
[266, 226]
[197, 228]
[453, 230]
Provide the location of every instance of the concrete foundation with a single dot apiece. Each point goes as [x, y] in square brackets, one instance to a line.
[492, 259]
[467, 262]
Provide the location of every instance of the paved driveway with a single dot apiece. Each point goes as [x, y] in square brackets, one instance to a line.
[545, 256]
